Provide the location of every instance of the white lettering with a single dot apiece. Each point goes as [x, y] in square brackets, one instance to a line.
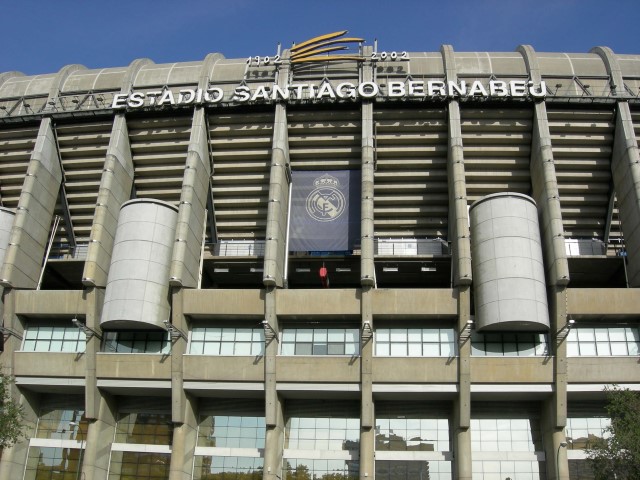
[136, 99]
[436, 87]
[186, 96]
[498, 88]
[416, 88]
[279, 93]
[368, 89]
[119, 100]
[518, 88]
[262, 92]
[542, 91]
[242, 93]
[346, 90]
[298, 89]
[478, 89]
[326, 90]
[213, 95]
[459, 89]
[396, 89]
[167, 97]
[152, 97]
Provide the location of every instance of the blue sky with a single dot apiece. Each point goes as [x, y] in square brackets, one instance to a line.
[41, 36]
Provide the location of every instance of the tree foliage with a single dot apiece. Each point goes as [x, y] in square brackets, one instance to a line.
[617, 457]
[11, 414]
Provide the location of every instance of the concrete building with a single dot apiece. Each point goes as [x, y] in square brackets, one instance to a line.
[160, 326]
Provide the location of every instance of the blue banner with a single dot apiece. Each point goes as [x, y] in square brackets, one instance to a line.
[325, 211]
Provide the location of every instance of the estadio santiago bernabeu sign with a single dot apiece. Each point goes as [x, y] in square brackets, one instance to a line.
[325, 91]
[318, 50]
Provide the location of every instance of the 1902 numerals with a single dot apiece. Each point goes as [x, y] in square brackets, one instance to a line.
[386, 56]
[259, 61]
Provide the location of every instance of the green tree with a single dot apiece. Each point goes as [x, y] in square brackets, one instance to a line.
[11, 414]
[617, 457]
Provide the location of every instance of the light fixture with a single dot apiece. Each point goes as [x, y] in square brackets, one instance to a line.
[343, 269]
[88, 331]
[9, 331]
[367, 332]
[174, 331]
[389, 269]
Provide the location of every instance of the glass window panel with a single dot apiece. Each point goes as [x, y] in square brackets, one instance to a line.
[303, 349]
[320, 335]
[633, 334]
[448, 350]
[494, 348]
[587, 349]
[586, 334]
[304, 335]
[398, 349]
[510, 349]
[226, 348]
[399, 335]
[634, 348]
[320, 349]
[243, 348]
[288, 349]
[603, 348]
[431, 350]
[336, 349]
[616, 334]
[243, 334]
[382, 334]
[288, 335]
[211, 348]
[601, 334]
[336, 335]
[447, 335]
[257, 348]
[415, 350]
[351, 349]
[383, 349]
[352, 335]
[527, 349]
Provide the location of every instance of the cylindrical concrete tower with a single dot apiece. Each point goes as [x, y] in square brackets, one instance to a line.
[137, 293]
[508, 270]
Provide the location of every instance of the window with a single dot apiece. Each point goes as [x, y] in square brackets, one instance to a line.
[603, 341]
[415, 342]
[145, 428]
[320, 341]
[231, 431]
[53, 337]
[50, 463]
[322, 433]
[582, 431]
[139, 466]
[509, 345]
[413, 470]
[227, 341]
[306, 468]
[412, 434]
[217, 468]
[137, 342]
[56, 450]
[498, 430]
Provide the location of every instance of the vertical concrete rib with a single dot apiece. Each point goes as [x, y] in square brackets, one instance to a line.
[461, 265]
[30, 232]
[115, 189]
[185, 264]
[279, 179]
[95, 463]
[545, 184]
[367, 266]
[625, 167]
[459, 215]
[57, 84]
[274, 418]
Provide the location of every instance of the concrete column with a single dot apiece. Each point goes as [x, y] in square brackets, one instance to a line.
[179, 407]
[274, 440]
[94, 302]
[95, 464]
[115, 189]
[367, 413]
[458, 212]
[31, 227]
[274, 415]
[367, 241]
[558, 337]
[11, 321]
[185, 438]
[278, 208]
[553, 437]
[462, 404]
[192, 211]
[14, 458]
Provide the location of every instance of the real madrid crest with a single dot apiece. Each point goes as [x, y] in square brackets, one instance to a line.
[326, 202]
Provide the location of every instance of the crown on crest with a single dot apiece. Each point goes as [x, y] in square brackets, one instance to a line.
[326, 180]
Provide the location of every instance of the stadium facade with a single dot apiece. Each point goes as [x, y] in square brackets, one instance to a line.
[397, 265]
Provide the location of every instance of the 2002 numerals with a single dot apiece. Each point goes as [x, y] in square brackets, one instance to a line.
[258, 60]
[384, 56]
